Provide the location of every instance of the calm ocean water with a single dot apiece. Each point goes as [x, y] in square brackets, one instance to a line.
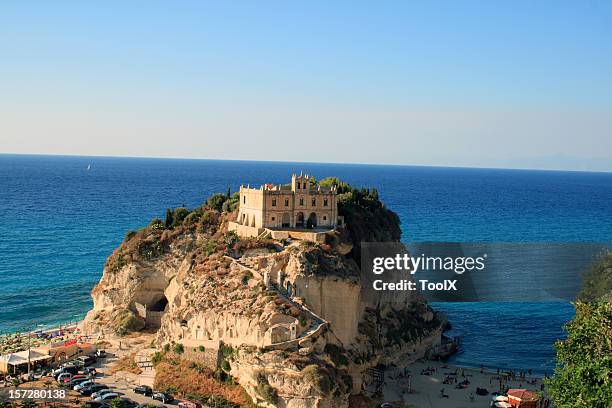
[59, 222]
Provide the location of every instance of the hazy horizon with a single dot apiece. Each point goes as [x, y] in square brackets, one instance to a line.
[93, 157]
[474, 84]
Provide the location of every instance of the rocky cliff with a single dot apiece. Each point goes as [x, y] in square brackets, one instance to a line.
[289, 318]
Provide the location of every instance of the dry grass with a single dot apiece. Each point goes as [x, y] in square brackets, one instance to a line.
[127, 363]
[190, 380]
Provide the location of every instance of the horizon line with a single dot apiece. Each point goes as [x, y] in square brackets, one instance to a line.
[307, 162]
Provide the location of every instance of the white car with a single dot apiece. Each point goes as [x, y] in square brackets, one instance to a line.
[100, 393]
[83, 385]
[107, 397]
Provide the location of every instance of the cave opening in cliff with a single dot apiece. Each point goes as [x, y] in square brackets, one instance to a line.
[159, 305]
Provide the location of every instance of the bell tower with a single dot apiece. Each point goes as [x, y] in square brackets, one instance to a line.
[301, 183]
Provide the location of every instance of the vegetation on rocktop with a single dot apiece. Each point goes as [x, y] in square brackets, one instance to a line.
[366, 217]
[154, 240]
[583, 377]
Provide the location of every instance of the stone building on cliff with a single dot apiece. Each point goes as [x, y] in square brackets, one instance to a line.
[301, 204]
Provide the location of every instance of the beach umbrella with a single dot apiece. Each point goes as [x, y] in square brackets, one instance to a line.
[502, 404]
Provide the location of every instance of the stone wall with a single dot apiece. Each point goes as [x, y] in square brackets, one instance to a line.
[206, 352]
[244, 230]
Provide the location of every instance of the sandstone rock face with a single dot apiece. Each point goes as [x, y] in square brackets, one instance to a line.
[295, 326]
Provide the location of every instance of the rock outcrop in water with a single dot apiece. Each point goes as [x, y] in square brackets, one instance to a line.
[288, 320]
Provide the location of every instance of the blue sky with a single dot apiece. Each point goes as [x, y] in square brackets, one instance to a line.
[513, 84]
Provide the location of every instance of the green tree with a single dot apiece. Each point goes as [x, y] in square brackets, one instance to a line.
[179, 215]
[216, 201]
[169, 218]
[583, 376]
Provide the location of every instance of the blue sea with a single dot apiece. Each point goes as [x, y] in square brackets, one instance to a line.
[59, 221]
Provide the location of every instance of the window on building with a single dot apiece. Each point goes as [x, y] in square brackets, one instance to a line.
[314, 202]
[304, 186]
[274, 202]
[298, 185]
[273, 218]
[244, 199]
[286, 202]
[325, 202]
[325, 218]
[301, 201]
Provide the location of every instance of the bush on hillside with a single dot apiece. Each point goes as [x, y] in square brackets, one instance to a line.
[583, 376]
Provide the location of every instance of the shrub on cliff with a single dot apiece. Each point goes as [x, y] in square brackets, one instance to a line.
[265, 390]
[583, 377]
[366, 217]
[216, 201]
[126, 321]
[319, 377]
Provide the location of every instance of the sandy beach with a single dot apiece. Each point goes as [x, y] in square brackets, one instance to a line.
[424, 390]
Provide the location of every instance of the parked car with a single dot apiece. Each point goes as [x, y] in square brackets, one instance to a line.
[90, 371]
[189, 404]
[87, 360]
[107, 396]
[163, 397]
[77, 363]
[92, 388]
[144, 390]
[74, 377]
[60, 377]
[76, 381]
[66, 369]
[82, 385]
[100, 353]
[97, 394]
